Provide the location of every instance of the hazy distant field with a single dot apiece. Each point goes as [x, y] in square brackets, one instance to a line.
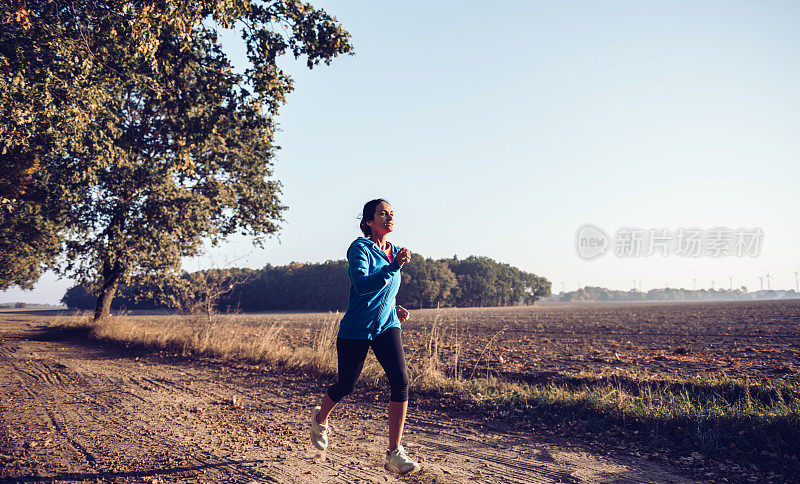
[758, 339]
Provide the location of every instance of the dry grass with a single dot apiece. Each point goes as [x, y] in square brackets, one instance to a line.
[220, 336]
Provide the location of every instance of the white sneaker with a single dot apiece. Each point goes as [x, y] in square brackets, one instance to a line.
[319, 432]
[398, 461]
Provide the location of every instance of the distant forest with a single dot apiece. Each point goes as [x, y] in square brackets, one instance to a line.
[669, 294]
[426, 283]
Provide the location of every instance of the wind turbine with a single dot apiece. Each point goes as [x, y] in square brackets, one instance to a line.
[769, 288]
[730, 280]
[694, 281]
[796, 284]
[761, 281]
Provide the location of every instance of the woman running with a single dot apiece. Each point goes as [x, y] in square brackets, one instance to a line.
[372, 320]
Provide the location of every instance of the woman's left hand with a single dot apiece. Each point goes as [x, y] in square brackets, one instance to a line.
[402, 313]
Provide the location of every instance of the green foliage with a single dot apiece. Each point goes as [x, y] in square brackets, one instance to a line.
[28, 243]
[123, 126]
[426, 283]
[127, 297]
[297, 286]
[77, 297]
[485, 282]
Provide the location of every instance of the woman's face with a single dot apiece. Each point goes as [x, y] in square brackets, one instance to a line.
[383, 220]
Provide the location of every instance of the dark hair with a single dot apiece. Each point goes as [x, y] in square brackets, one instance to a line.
[369, 214]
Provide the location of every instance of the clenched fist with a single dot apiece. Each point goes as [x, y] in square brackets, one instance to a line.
[403, 256]
[402, 313]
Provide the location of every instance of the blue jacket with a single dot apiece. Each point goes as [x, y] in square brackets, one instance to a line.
[374, 282]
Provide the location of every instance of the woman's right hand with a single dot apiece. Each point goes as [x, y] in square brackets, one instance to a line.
[403, 256]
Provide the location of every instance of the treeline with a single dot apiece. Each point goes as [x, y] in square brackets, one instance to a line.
[590, 293]
[426, 283]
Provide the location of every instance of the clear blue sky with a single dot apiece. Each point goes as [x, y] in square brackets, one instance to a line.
[498, 129]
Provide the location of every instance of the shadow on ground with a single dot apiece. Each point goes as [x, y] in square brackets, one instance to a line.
[104, 475]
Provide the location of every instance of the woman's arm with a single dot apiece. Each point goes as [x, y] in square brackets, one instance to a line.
[362, 280]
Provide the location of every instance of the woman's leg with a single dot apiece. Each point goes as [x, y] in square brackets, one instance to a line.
[388, 348]
[325, 409]
[350, 354]
[397, 418]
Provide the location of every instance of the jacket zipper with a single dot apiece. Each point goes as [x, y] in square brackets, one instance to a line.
[383, 302]
[380, 313]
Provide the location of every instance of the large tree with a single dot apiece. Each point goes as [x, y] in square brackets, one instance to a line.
[131, 135]
[477, 280]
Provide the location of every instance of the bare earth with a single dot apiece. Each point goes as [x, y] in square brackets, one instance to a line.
[72, 409]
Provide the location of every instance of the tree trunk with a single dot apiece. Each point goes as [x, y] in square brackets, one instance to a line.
[111, 277]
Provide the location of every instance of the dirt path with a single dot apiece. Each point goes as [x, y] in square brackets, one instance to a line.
[76, 410]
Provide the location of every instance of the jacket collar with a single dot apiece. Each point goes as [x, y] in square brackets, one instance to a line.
[377, 249]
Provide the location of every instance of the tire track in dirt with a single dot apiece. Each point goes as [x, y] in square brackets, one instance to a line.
[503, 464]
[258, 398]
[63, 418]
[505, 468]
[209, 459]
[107, 385]
[31, 374]
[74, 443]
[468, 444]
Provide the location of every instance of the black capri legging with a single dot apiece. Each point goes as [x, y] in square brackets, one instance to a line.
[388, 349]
